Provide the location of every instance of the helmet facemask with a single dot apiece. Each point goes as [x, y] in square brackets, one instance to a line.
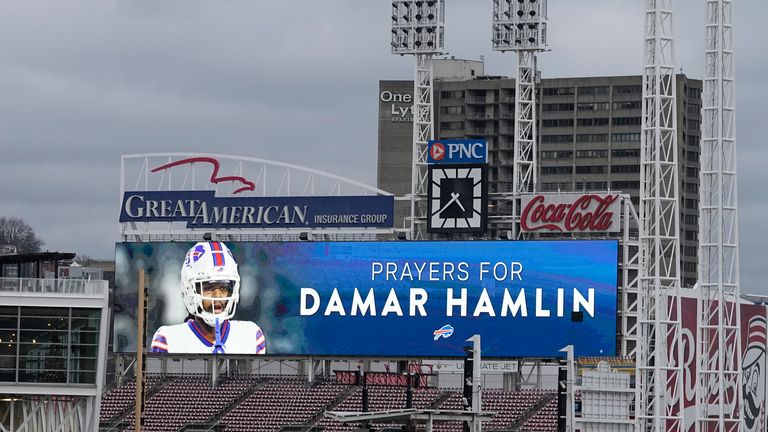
[210, 263]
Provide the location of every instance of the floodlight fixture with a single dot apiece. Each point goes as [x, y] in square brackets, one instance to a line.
[410, 18]
[519, 27]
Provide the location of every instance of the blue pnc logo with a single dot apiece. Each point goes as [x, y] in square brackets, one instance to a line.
[445, 331]
[457, 151]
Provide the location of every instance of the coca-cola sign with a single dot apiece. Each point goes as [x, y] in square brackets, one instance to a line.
[570, 213]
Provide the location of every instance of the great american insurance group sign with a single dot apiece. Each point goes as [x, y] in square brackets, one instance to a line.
[215, 193]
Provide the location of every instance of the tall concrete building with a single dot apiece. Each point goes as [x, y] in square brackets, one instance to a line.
[588, 135]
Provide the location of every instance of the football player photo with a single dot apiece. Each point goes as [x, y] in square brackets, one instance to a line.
[210, 290]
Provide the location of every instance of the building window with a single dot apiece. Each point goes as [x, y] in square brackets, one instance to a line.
[557, 107]
[43, 344]
[557, 123]
[618, 153]
[557, 170]
[561, 154]
[451, 126]
[594, 106]
[694, 93]
[594, 91]
[625, 137]
[558, 91]
[598, 121]
[590, 138]
[626, 105]
[555, 186]
[54, 345]
[84, 348]
[452, 110]
[626, 121]
[692, 172]
[691, 220]
[591, 169]
[550, 139]
[625, 168]
[627, 89]
[592, 186]
[625, 185]
[586, 154]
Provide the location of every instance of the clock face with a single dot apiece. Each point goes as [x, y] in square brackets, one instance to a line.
[457, 199]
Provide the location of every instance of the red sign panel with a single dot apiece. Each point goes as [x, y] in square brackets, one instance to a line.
[570, 213]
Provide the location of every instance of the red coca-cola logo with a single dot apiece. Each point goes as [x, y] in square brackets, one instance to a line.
[575, 216]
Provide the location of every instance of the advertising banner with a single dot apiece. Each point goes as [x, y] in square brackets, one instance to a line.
[202, 209]
[525, 298]
[753, 364]
[753, 346]
[467, 151]
[570, 212]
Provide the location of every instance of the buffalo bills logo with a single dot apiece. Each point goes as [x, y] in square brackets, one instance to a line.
[194, 255]
[445, 331]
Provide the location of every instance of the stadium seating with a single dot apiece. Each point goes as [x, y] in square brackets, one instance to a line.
[121, 399]
[281, 402]
[543, 421]
[267, 404]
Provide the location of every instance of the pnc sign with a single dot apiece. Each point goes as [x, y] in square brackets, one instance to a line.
[457, 151]
[570, 213]
[437, 151]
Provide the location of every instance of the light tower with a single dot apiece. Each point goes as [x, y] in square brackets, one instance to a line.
[417, 29]
[520, 26]
[659, 354]
[719, 390]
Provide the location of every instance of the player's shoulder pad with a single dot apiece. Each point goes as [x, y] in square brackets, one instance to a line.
[159, 341]
[248, 326]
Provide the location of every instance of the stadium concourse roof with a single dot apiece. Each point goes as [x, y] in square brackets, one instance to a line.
[412, 413]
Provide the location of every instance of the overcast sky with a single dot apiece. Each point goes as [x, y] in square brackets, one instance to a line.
[83, 82]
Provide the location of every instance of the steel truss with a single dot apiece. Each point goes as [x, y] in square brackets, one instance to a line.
[423, 131]
[418, 30]
[521, 27]
[50, 413]
[659, 354]
[719, 389]
[630, 280]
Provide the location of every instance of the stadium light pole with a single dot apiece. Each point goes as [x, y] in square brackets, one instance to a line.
[417, 29]
[521, 27]
[477, 392]
[570, 382]
[719, 387]
[660, 343]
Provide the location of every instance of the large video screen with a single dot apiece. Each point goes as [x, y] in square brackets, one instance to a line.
[378, 299]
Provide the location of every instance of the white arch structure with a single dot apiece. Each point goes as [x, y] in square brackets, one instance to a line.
[234, 176]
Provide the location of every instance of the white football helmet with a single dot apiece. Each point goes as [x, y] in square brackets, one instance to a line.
[209, 262]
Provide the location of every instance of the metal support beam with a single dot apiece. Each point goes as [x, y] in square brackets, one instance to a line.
[659, 355]
[719, 390]
[521, 27]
